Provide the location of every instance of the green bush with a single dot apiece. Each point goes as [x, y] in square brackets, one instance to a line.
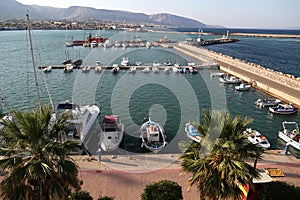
[105, 198]
[279, 191]
[81, 195]
[162, 190]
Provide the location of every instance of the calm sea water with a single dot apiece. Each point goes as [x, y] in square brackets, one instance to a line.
[171, 99]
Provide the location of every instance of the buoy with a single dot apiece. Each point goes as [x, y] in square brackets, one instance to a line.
[228, 97]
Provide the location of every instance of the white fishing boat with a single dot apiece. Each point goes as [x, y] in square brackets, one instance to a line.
[167, 70]
[156, 64]
[242, 87]
[192, 132]
[124, 61]
[47, 69]
[86, 69]
[93, 44]
[230, 80]
[217, 74]
[98, 69]
[98, 63]
[155, 69]
[138, 63]
[68, 68]
[284, 109]
[153, 136]
[81, 120]
[167, 63]
[256, 138]
[290, 134]
[193, 70]
[267, 102]
[132, 69]
[112, 132]
[175, 69]
[115, 69]
[146, 70]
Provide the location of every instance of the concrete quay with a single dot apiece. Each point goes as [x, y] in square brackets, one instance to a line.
[283, 86]
[265, 35]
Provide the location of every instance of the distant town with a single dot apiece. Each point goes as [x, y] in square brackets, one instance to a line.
[91, 24]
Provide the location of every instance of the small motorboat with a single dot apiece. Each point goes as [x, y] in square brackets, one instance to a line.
[124, 61]
[192, 132]
[68, 68]
[115, 69]
[98, 69]
[267, 102]
[132, 69]
[217, 74]
[86, 69]
[175, 69]
[230, 80]
[193, 70]
[167, 63]
[47, 69]
[257, 139]
[112, 132]
[138, 63]
[98, 63]
[94, 43]
[153, 136]
[155, 69]
[290, 134]
[156, 64]
[283, 109]
[146, 70]
[182, 70]
[243, 87]
[167, 70]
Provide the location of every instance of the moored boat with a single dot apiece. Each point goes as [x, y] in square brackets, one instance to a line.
[146, 70]
[283, 109]
[124, 61]
[115, 69]
[290, 135]
[98, 69]
[230, 80]
[267, 102]
[155, 69]
[132, 69]
[47, 69]
[68, 68]
[217, 74]
[153, 136]
[86, 69]
[192, 132]
[243, 87]
[112, 132]
[256, 138]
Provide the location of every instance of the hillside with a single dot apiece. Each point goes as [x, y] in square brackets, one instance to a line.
[11, 9]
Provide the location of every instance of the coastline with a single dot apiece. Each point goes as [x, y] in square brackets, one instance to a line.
[101, 178]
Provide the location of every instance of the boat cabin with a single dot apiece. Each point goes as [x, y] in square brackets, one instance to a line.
[153, 133]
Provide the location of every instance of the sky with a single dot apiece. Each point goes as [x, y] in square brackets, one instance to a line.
[228, 13]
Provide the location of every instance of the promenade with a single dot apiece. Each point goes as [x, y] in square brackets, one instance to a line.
[283, 86]
[125, 177]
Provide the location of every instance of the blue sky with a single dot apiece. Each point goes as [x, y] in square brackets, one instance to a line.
[229, 13]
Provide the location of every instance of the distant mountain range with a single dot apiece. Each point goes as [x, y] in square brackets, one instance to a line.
[11, 9]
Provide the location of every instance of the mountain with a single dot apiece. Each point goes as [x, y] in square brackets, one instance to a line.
[11, 9]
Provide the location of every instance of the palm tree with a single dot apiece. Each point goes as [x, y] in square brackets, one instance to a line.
[222, 171]
[38, 163]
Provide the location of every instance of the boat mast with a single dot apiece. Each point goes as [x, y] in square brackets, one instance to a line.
[33, 62]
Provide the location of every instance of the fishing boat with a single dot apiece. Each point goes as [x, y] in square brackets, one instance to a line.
[112, 132]
[217, 74]
[192, 132]
[230, 80]
[167, 63]
[242, 87]
[98, 69]
[155, 69]
[283, 109]
[153, 137]
[156, 64]
[81, 120]
[47, 69]
[267, 102]
[94, 44]
[193, 70]
[132, 69]
[138, 63]
[86, 69]
[115, 69]
[146, 70]
[167, 70]
[290, 134]
[256, 138]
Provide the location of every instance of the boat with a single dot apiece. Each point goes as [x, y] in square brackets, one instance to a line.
[115, 69]
[192, 132]
[167, 70]
[156, 64]
[47, 69]
[256, 138]
[93, 44]
[284, 109]
[153, 137]
[146, 70]
[112, 132]
[132, 69]
[81, 120]
[77, 63]
[182, 70]
[290, 135]
[242, 87]
[124, 61]
[177, 65]
[86, 69]
[68, 68]
[5, 118]
[98, 63]
[267, 102]
[175, 69]
[98, 69]
[193, 70]
[107, 44]
[155, 69]
[69, 61]
[230, 80]
[138, 63]
[167, 63]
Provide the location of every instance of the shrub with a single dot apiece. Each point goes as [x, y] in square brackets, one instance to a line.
[105, 198]
[81, 195]
[163, 190]
[279, 191]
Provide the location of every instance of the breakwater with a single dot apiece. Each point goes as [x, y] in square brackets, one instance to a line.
[277, 84]
[265, 35]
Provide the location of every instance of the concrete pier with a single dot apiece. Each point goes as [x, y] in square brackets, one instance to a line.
[283, 86]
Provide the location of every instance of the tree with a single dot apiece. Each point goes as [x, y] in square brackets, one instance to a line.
[222, 171]
[163, 190]
[81, 195]
[38, 163]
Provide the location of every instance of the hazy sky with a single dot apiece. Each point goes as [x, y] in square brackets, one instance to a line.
[229, 13]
